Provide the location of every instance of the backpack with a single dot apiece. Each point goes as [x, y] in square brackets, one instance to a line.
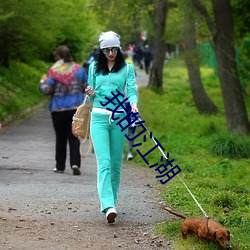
[81, 126]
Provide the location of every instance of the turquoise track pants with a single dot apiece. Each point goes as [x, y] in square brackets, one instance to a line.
[108, 141]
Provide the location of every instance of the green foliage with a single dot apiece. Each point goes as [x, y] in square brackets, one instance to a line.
[210, 129]
[175, 24]
[224, 200]
[241, 17]
[128, 18]
[29, 33]
[19, 87]
[231, 146]
[219, 183]
[208, 58]
[176, 18]
[243, 60]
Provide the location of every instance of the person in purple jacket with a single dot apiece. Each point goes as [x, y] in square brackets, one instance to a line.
[65, 83]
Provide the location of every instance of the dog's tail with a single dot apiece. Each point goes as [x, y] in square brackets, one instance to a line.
[175, 213]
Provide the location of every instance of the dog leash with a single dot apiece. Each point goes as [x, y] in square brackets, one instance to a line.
[205, 214]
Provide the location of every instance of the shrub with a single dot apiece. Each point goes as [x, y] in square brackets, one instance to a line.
[231, 146]
[223, 200]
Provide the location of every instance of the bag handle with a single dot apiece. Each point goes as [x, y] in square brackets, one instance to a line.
[85, 99]
[91, 148]
[85, 139]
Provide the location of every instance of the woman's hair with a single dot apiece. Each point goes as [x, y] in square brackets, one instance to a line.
[102, 67]
[63, 52]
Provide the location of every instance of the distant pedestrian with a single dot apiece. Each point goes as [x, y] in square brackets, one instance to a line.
[128, 59]
[93, 55]
[65, 84]
[138, 56]
[147, 54]
[108, 74]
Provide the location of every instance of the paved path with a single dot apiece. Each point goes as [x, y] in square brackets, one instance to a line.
[141, 78]
[26, 163]
[31, 191]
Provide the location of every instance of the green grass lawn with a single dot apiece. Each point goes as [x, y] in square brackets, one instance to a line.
[215, 165]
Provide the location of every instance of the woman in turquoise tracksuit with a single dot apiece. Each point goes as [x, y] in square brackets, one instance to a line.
[108, 73]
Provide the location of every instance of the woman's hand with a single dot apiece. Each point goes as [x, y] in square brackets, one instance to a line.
[43, 79]
[90, 91]
[134, 108]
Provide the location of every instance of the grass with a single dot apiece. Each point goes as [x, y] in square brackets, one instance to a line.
[215, 164]
[19, 88]
[230, 146]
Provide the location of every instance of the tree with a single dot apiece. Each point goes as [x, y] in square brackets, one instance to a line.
[127, 17]
[223, 38]
[28, 33]
[159, 46]
[201, 99]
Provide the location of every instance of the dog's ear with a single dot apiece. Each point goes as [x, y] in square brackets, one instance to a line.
[214, 235]
[228, 237]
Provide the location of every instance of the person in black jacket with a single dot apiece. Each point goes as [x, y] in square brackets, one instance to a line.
[147, 54]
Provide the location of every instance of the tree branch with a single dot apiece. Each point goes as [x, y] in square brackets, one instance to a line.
[202, 9]
[172, 5]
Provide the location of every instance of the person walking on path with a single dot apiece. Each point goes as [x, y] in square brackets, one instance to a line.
[147, 54]
[65, 84]
[107, 74]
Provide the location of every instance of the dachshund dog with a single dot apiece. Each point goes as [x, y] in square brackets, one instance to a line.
[204, 229]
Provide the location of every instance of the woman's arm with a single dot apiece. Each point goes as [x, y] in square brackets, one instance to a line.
[131, 88]
[90, 91]
[46, 85]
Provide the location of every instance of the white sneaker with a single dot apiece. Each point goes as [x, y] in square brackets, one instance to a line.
[111, 214]
[129, 156]
[58, 171]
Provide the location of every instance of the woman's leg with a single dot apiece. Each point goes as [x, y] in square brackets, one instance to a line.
[130, 135]
[108, 145]
[74, 144]
[60, 127]
[117, 139]
[99, 131]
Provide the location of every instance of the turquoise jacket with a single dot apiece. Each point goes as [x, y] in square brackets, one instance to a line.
[123, 80]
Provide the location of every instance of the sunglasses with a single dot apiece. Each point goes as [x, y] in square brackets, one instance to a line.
[106, 51]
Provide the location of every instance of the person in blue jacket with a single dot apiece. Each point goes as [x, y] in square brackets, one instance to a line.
[107, 74]
[65, 83]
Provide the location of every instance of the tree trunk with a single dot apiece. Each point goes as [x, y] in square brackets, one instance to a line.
[235, 109]
[201, 99]
[159, 47]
